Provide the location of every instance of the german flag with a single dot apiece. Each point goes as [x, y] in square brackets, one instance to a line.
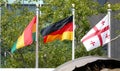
[61, 30]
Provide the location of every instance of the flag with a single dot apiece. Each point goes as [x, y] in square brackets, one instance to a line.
[27, 37]
[61, 30]
[98, 35]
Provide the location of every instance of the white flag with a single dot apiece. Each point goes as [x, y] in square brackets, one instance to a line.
[98, 35]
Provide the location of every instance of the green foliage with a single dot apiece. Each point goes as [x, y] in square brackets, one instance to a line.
[13, 23]
[55, 53]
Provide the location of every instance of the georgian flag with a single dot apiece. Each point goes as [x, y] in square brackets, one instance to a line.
[98, 35]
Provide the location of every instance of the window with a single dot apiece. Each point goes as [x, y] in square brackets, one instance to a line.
[102, 2]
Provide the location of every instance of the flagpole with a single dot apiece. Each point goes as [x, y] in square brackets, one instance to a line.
[37, 14]
[73, 42]
[109, 20]
[0, 35]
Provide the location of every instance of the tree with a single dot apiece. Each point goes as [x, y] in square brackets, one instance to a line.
[54, 53]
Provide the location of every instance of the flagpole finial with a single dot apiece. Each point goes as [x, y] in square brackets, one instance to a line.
[109, 6]
[37, 5]
[73, 5]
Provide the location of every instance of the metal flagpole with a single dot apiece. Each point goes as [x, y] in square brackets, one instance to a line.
[0, 35]
[73, 43]
[37, 14]
[109, 20]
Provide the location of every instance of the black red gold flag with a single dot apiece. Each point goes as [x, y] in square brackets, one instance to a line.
[61, 30]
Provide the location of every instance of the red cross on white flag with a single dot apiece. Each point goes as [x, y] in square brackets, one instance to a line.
[98, 35]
